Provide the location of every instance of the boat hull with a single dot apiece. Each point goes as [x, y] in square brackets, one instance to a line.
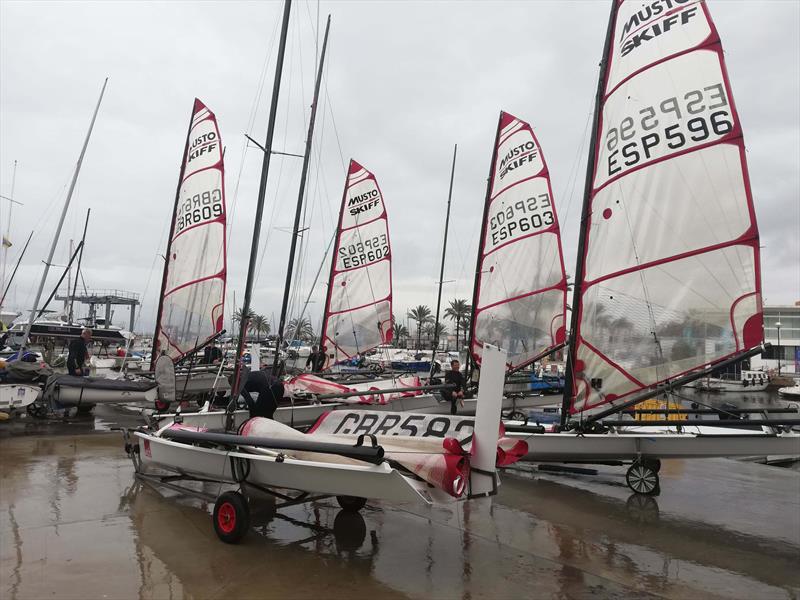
[377, 482]
[14, 396]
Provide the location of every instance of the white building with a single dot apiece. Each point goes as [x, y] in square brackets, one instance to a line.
[782, 330]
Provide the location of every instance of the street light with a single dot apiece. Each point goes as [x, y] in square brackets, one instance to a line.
[780, 350]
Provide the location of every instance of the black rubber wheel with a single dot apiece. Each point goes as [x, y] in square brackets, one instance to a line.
[653, 463]
[516, 415]
[161, 406]
[231, 517]
[85, 408]
[351, 503]
[642, 479]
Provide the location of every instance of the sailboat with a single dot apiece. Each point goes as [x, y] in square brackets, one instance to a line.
[358, 305]
[667, 285]
[520, 234]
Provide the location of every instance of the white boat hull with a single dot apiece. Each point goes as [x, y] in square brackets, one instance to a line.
[377, 482]
[630, 445]
[14, 396]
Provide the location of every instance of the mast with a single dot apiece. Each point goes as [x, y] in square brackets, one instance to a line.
[587, 191]
[8, 224]
[262, 190]
[60, 224]
[301, 193]
[441, 270]
[154, 353]
[470, 359]
[78, 268]
[14, 272]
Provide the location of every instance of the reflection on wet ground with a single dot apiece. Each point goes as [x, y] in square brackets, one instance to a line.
[76, 524]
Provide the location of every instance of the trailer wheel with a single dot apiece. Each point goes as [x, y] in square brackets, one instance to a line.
[38, 410]
[653, 463]
[351, 503]
[231, 517]
[642, 479]
[161, 406]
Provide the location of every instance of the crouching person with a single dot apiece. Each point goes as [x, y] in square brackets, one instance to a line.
[269, 389]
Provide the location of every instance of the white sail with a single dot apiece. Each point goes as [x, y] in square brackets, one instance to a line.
[671, 277]
[193, 297]
[520, 299]
[358, 311]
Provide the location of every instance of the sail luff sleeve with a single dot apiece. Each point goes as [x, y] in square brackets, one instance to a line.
[193, 299]
[672, 276]
[521, 298]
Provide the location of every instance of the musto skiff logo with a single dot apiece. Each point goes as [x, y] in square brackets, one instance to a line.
[665, 127]
[518, 156]
[363, 202]
[202, 145]
[198, 208]
[637, 31]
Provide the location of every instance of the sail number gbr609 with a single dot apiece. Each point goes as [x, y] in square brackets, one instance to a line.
[668, 126]
[521, 217]
[200, 207]
[364, 252]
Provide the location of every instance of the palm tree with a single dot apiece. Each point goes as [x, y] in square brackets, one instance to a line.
[458, 311]
[435, 332]
[260, 323]
[237, 319]
[299, 329]
[422, 315]
[399, 331]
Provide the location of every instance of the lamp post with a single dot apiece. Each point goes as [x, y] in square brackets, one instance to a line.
[780, 350]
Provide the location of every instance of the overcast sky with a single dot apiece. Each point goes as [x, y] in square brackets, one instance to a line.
[404, 82]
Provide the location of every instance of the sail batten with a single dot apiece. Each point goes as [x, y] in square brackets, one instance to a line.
[193, 297]
[669, 276]
[358, 309]
[520, 298]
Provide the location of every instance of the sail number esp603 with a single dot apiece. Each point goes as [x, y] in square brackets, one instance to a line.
[519, 218]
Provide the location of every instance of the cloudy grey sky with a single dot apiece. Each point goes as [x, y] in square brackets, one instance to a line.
[405, 81]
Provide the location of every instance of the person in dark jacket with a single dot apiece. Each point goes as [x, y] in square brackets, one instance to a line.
[212, 355]
[316, 360]
[78, 354]
[456, 378]
[269, 389]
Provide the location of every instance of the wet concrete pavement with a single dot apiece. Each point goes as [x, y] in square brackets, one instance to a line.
[77, 524]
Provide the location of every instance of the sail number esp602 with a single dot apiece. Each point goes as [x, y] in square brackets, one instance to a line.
[364, 252]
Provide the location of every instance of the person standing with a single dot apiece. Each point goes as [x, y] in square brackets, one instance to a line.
[316, 360]
[212, 354]
[455, 378]
[79, 353]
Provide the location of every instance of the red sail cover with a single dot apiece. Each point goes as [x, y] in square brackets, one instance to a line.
[522, 289]
[671, 280]
[358, 314]
[194, 294]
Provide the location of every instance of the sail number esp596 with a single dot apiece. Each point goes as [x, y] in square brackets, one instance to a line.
[667, 127]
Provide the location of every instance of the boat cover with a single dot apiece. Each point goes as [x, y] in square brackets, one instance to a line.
[101, 383]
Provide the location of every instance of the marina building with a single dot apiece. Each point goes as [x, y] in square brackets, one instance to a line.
[782, 330]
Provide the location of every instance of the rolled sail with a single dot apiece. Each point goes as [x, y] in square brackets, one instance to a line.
[520, 300]
[194, 281]
[358, 311]
[671, 277]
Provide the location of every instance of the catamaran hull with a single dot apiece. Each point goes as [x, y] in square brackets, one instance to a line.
[377, 482]
[597, 448]
[69, 396]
